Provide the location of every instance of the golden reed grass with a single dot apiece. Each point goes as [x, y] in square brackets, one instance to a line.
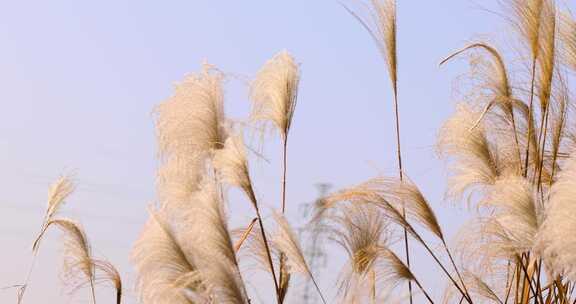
[510, 161]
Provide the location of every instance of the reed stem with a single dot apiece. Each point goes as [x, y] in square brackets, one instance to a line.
[530, 106]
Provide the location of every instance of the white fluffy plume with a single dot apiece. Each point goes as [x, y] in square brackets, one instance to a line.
[274, 92]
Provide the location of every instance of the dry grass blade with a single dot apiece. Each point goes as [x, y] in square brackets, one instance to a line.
[274, 92]
[244, 235]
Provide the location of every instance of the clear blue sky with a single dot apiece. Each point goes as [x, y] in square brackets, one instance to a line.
[79, 80]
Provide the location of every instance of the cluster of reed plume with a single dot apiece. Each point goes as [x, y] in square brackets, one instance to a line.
[508, 145]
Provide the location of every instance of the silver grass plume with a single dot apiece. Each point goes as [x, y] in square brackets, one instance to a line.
[253, 248]
[361, 231]
[192, 119]
[190, 126]
[232, 166]
[57, 194]
[274, 92]
[78, 268]
[547, 53]
[495, 81]
[515, 217]
[364, 233]
[556, 243]
[205, 224]
[394, 192]
[287, 243]
[527, 21]
[372, 192]
[474, 164]
[164, 272]
[109, 274]
[567, 34]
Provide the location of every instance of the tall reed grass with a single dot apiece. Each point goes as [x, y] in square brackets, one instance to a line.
[509, 147]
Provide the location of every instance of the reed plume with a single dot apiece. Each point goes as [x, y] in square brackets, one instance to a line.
[482, 288]
[555, 243]
[475, 164]
[381, 25]
[505, 229]
[190, 126]
[373, 192]
[496, 82]
[57, 194]
[204, 223]
[192, 119]
[567, 32]
[78, 267]
[528, 20]
[274, 93]
[286, 242]
[363, 232]
[163, 269]
[253, 248]
[232, 166]
[109, 274]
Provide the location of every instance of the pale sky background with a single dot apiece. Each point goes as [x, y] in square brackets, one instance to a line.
[79, 80]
